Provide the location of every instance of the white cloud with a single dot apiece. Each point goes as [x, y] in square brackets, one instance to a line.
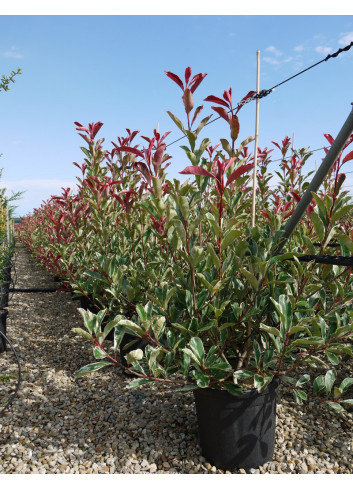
[12, 53]
[346, 39]
[323, 50]
[271, 61]
[274, 51]
[299, 49]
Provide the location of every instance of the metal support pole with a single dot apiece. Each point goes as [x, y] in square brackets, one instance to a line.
[317, 181]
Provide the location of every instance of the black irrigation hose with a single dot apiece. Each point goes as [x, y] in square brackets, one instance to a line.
[9, 402]
[345, 261]
[37, 289]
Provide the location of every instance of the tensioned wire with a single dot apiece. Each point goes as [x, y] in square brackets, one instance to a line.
[265, 92]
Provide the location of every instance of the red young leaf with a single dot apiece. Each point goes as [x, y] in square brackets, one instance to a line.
[238, 172]
[241, 103]
[196, 113]
[128, 149]
[196, 170]
[216, 100]
[348, 157]
[222, 112]
[187, 74]
[227, 95]
[329, 138]
[175, 78]
[296, 196]
[195, 82]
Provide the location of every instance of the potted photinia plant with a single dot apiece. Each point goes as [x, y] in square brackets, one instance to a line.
[229, 319]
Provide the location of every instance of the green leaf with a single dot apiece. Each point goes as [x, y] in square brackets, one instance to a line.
[230, 237]
[330, 378]
[179, 229]
[213, 255]
[235, 390]
[176, 121]
[92, 367]
[82, 333]
[197, 347]
[142, 313]
[184, 207]
[202, 379]
[137, 383]
[303, 379]
[196, 255]
[242, 374]
[318, 225]
[340, 213]
[134, 355]
[270, 330]
[346, 383]
[187, 388]
[192, 355]
[132, 326]
[257, 353]
[318, 384]
[250, 277]
[336, 406]
[158, 326]
[347, 242]
[332, 358]
[99, 353]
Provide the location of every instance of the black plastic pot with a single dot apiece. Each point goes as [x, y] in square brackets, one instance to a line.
[237, 431]
[3, 316]
[7, 273]
[4, 294]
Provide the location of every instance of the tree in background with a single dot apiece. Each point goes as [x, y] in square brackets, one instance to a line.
[5, 80]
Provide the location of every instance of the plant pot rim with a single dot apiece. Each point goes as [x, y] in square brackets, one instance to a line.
[272, 387]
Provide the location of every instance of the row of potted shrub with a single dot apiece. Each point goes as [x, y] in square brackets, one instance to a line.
[180, 289]
[6, 251]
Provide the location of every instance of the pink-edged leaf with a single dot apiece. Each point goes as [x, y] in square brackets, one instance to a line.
[296, 196]
[144, 170]
[222, 112]
[238, 172]
[175, 78]
[234, 127]
[196, 113]
[95, 128]
[128, 149]
[158, 155]
[187, 74]
[195, 82]
[164, 136]
[348, 157]
[216, 100]
[276, 144]
[227, 95]
[228, 163]
[85, 137]
[196, 170]
[329, 138]
[241, 103]
[80, 127]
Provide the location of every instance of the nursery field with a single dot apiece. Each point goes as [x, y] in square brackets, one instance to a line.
[94, 425]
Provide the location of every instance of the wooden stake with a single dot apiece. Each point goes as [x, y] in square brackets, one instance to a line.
[256, 140]
[293, 142]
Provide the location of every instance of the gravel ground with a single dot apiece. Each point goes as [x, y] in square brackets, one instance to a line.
[59, 425]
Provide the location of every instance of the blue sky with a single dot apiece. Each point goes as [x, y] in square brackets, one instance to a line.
[110, 68]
